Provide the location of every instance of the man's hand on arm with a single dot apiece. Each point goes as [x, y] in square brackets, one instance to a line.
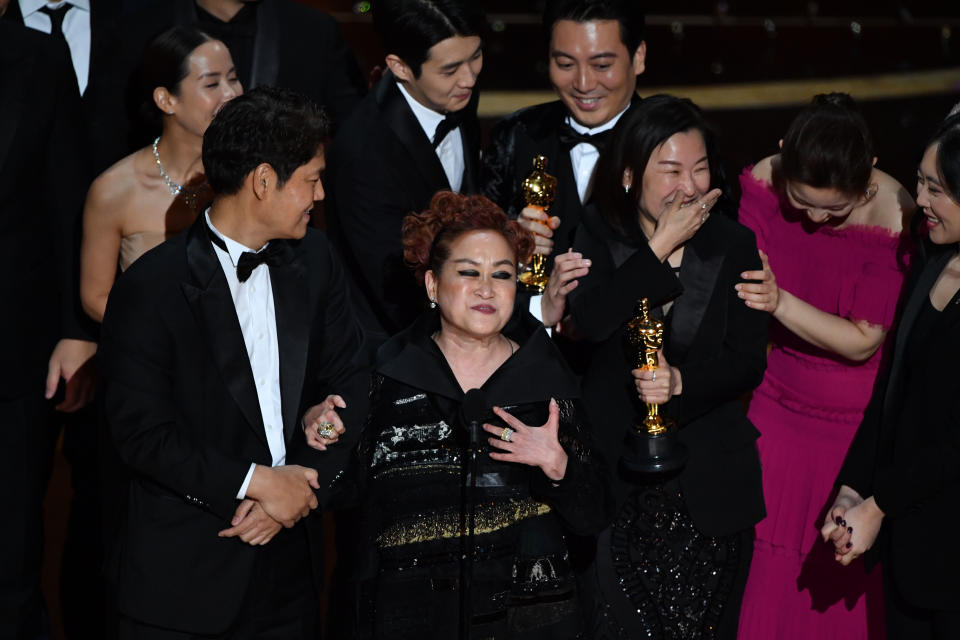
[285, 493]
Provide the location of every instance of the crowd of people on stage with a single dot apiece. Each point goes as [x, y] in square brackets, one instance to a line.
[225, 372]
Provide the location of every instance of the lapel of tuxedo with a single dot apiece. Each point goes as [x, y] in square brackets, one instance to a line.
[698, 275]
[292, 305]
[918, 296]
[400, 120]
[470, 134]
[266, 62]
[208, 297]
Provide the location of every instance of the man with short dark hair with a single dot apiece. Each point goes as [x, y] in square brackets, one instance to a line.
[416, 133]
[213, 343]
[596, 51]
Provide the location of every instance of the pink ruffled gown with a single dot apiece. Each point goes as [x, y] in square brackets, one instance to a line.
[807, 409]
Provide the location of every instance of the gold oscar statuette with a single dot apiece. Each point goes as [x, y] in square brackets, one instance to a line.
[539, 190]
[652, 445]
[645, 337]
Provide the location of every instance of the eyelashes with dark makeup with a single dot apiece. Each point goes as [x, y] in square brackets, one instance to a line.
[499, 275]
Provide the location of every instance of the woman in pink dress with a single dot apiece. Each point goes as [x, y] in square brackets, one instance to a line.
[829, 226]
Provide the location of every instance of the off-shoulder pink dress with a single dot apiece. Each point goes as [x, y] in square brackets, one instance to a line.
[807, 409]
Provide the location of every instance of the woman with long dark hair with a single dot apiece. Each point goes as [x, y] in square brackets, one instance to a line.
[674, 561]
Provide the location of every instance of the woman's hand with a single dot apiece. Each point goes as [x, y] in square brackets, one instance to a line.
[567, 267]
[679, 223]
[321, 424]
[763, 295]
[537, 222]
[858, 530]
[834, 529]
[657, 386]
[535, 446]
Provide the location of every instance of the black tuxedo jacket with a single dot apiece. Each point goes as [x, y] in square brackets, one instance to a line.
[97, 111]
[712, 337]
[382, 166]
[906, 453]
[295, 47]
[508, 159]
[43, 180]
[182, 406]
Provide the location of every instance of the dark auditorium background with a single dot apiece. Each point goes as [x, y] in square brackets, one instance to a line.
[749, 63]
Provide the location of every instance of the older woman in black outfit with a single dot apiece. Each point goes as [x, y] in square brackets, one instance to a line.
[674, 562]
[537, 478]
[901, 478]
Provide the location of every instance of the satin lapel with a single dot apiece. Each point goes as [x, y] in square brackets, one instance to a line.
[291, 294]
[400, 119]
[919, 295]
[266, 62]
[698, 275]
[14, 70]
[470, 134]
[209, 299]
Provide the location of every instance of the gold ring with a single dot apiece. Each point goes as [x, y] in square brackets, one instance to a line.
[325, 430]
[506, 433]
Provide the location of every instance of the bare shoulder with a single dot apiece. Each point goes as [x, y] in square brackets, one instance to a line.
[892, 204]
[114, 190]
[763, 170]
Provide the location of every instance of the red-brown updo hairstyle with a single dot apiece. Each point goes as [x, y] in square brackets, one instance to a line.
[427, 236]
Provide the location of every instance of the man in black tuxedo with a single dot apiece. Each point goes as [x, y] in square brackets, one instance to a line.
[596, 52]
[281, 43]
[88, 27]
[43, 180]
[213, 345]
[415, 134]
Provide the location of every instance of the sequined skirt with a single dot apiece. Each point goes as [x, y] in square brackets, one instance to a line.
[656, 576]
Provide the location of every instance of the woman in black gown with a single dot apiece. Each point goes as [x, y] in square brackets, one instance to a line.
[533, 484]
[673, 564]
[899, 487]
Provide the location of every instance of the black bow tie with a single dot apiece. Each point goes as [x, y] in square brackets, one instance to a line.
[570, 137]
[450, 122]
[276, 253]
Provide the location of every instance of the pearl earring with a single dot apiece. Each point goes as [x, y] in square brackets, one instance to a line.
[626, 188]
[433, 303]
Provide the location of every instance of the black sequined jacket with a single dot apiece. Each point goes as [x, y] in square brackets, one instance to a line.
[412, 452]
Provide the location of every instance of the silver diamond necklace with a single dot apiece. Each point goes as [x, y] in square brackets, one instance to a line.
[175, 188]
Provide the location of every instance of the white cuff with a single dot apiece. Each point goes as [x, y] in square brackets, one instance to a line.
[246, 482]
[536, 310]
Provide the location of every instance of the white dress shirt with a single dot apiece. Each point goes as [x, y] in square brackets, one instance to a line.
[450, 149]
[76, 30]
[253, 300]
[584, 156]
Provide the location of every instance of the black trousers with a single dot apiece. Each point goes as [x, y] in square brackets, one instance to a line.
[280, 603]
[907, 622]
[28, 433]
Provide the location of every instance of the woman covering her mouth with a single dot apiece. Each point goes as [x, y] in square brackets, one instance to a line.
[537, 478]
[674, 562]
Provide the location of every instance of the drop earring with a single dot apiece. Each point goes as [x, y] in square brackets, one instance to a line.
[626, 188]
[433, 303]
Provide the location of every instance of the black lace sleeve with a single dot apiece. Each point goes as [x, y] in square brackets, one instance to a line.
[582, 498]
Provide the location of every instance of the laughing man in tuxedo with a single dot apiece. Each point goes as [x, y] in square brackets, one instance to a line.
[213, 345]
[415, 134]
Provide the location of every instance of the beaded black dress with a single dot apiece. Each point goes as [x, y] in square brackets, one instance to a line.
[412, 453]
